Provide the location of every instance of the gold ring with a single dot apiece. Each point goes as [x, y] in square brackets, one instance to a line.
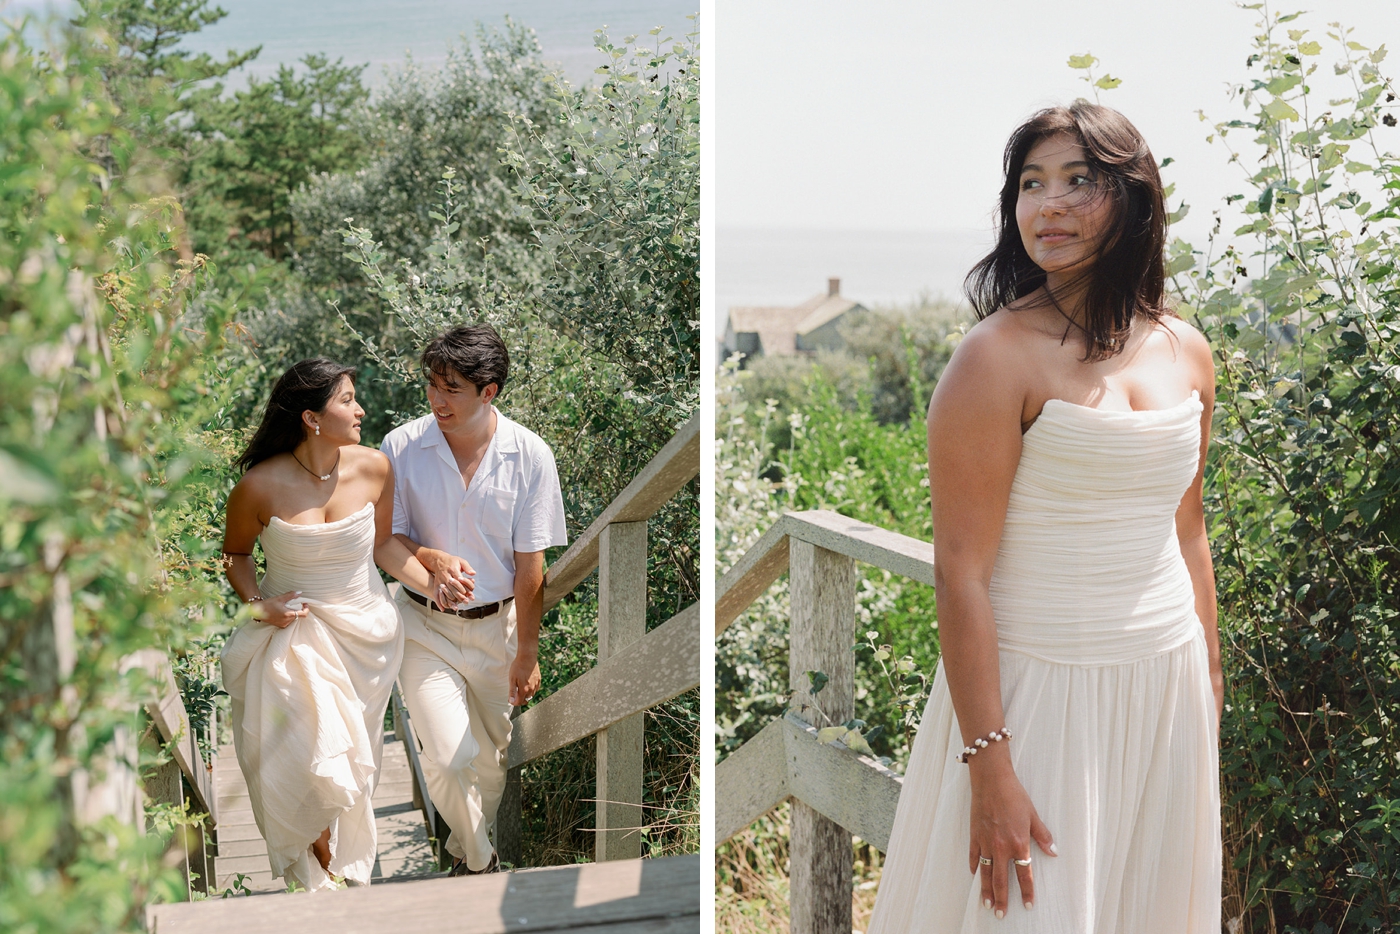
[985, 861]
[1022, 862]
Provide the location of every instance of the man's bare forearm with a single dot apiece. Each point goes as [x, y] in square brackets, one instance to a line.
[529, 599]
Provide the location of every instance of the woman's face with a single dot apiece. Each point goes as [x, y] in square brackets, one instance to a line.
[340, 419]
[1061, 211]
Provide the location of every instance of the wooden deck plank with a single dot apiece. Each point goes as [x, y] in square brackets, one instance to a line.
[660, 896]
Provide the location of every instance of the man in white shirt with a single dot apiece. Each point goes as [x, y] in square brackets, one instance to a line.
[477, 500]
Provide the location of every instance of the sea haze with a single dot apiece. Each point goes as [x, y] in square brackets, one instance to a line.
[784, 267]
[383, 33]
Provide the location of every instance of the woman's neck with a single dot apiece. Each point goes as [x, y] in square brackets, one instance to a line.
[318, 456]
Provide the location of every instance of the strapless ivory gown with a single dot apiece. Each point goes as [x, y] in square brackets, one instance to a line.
[309, 700]
[1106, 687]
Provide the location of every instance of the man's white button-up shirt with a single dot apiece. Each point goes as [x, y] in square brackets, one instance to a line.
[513, 504]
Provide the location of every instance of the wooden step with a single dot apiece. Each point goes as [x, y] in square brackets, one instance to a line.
[660, 896]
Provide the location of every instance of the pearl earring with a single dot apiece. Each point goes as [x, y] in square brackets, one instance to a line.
[318, 429]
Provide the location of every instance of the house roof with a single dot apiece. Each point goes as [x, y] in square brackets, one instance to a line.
[829, 309]
[778, 327]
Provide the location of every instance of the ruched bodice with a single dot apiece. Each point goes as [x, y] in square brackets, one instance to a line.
[309, 698]
[331, 562]
[1089, 569]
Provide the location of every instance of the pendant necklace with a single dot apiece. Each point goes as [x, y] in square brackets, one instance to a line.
[314, 473]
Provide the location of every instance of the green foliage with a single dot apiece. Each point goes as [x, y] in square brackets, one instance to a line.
[155, 84]
[836, 459]
[99, 365]
[1304, 488]
[615, 206]
[250, 153]
[578, 377]
[890, 355]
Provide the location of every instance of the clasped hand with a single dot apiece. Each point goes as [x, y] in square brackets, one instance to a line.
[453, 580]
[1004, 822]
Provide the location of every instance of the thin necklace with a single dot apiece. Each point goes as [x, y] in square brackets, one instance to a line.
[314, 473]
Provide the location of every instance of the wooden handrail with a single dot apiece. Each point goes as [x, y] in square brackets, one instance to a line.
[834, 792]
[786, 760]
[768, 558]
[403, 727]
[168, 713]
[673, 467]
[663, 663]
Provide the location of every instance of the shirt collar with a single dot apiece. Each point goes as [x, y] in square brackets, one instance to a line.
[505, 441]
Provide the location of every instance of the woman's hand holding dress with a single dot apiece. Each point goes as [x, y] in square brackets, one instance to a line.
[280, 611]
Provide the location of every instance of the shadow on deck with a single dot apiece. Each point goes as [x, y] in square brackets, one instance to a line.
[642, 896]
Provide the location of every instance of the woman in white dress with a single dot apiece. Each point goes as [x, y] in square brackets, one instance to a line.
[1064, 778]
[310, 675]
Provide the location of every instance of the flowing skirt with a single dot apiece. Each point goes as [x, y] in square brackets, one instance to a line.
[1120, 761]
[308, 715]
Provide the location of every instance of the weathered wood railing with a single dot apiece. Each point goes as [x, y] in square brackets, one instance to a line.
[636, 669]
[186, 777]
[834, 791]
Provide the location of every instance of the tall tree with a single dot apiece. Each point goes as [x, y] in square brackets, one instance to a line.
[260, 146]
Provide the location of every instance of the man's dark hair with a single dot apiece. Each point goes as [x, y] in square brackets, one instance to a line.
[472, 352]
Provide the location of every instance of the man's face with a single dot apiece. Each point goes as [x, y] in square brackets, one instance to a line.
[457, 403]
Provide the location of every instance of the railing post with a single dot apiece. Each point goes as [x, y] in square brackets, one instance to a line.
[622, 619]
[167, 785]
[822, 585]
[510, 819]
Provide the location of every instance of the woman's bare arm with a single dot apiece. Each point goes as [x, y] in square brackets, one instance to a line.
[241, 530]
[974, 439]
[389, 552]
[242, 526]
[1190, 515]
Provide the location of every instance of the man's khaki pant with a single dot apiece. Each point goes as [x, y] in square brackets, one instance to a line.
[455, 682]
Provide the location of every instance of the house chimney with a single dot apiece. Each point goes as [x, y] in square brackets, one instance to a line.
[833, 286]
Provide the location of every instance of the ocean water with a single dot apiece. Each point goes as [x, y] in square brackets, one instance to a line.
[784, 267]
[382, 33]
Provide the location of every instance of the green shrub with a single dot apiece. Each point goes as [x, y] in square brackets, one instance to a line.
[101, 386]
[1304, 487]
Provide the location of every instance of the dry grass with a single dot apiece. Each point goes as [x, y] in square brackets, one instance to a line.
[751, 872]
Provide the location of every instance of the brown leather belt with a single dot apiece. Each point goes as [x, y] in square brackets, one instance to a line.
[475, 612]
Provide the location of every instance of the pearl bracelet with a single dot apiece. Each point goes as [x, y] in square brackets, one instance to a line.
[979, 743]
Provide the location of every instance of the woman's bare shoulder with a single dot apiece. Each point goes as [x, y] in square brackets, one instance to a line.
[370, 460]
[256, 488]
[985, 351]
[1194, 347]
[983, 382]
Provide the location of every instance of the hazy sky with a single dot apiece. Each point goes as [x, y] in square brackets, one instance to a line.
[381, 32]
[885, 115]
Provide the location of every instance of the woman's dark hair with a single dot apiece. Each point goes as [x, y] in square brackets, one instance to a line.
[1128, 275]
[309, 384]
[473, 352]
